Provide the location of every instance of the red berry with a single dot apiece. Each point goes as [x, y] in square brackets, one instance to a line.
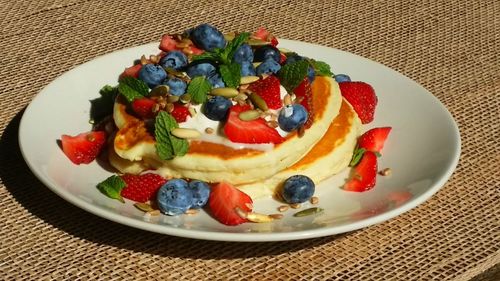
[167, 43]
[374, 139]
[255, 131]
[223, 201]
[304, 93]
[141, 188]
[180, 112]
[132, 71]
[269, 90]
[362, 98]
[364, 174]
[83, 148]
[144, 107]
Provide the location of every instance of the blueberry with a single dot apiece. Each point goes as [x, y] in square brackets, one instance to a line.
[174, 59]
[201, 192]
[293, 58]
[342, 78]
[217, 108]
[216, 81]
[207, 37]
[243, 54]
[176, 85]
[292, 117]
[152, 75]
[267, 52]
[201, 69]
[297, 189]
[174, 197]
[268, 66]
[247, 69]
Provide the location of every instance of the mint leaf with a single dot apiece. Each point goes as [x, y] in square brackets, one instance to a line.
[198, 88]
[206, 56]
[167, 145]
[321, 68]
[132, 88]
[112, 187]
[231, 74]
[292, 74]
[357, 155]
[103, 105]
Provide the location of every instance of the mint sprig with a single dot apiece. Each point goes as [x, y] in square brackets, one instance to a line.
[167, 145]
[132, 88]
[321, 68]
[112, 187]
[231, 74]
[198, 88]
[224, 55]
[292, 74]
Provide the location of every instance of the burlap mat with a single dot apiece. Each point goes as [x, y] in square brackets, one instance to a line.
[451, 47]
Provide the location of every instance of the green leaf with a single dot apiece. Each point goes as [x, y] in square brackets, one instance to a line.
[112, 187]
[292, 74]
[357, 155]
[231, 74]
[233, 45]
[207, 56]
[198, 88]
[103, 105]
[132, 88]
[167, 145]
[321, 68]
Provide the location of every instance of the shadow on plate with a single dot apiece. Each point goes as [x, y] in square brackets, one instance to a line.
[38, 200]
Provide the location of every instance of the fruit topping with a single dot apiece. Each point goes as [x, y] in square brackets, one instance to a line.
[267, 52]
[180, 112]
[268, 66]
[177, 87]
[207, 37]
[141, 188]
[201, 193]
[373, 140]
[363, 176]
[224, 202]
[174, 197]
[303, 94]
[264, 35]
[152, 75]
[144, 107]
[362, 98]
[132, 71]
[247, 69]
[254, 131]
[217, 108]
[174, 59]
[297, 189]
[342, 78]
[243, 53]
[167, 43]
[83, 148]
[291, 117]
[269, 90]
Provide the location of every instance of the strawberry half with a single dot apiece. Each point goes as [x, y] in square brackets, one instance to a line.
[374, 139]
[362, 98]
[304, 93]
[144, 107]
[132, 71]
[223, 201]
[180, 112]
[269, 90]
[141, 188]
[83, 148]
[364, 175]
[255, 131]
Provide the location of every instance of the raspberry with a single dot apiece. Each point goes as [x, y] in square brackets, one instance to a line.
[141, 188]
[180, 112]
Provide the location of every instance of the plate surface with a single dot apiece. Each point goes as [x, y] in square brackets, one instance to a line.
[422, 151]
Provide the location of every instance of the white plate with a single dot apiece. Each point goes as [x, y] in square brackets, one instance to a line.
[422, 151]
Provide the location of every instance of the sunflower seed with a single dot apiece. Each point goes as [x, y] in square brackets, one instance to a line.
[314, 200]
[295, 205]
[185, 133]
[283, 208]
[160, 90]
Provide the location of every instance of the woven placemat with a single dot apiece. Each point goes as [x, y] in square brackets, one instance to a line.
[451, 47]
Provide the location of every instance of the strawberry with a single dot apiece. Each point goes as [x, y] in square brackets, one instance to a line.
[255, 131]
[132, 71]
[274, 41]
[180, 112]
[168, 43]
[364, 174]
[195, 50]
[362, 98]
[83, 148]
[144, 107]
[303, 92]
[141, 188]
[223, 201]
[374, 139]
[269, 90]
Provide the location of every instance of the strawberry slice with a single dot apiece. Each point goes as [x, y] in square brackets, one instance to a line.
[269, 90]
[132, 71]
[180, 112]
[141, 188]
[364, 174]
[255, 131]
[374, 139]
[168, 43]
[223, 201]
[83, 148]
[144, 107]
[362, 98]
[303, 92]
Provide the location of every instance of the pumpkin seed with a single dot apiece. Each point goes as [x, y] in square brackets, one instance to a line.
[249, 115]
[258, 102]
[185, 133]
[185, 98]
[248, 79]
[160, 90]
[173, 99]
[308, 212]
[143, 207]
[225, 92]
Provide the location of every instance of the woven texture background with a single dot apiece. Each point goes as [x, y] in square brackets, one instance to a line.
[451, 47]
